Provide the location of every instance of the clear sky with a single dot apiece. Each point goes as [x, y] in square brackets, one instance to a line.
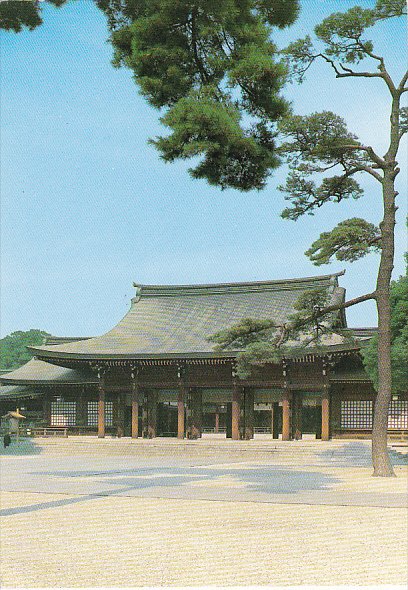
[88, 207]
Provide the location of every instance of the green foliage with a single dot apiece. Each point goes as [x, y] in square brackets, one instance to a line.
[209, 128]
[343, 32]
[316, 140]
[243, 333]
[13, 348]
[212, 65]
[306, 197]
[264, 341]
[15, 15]
[399, 347]
[403, 120]
[257, 354]
[315, 144]
[349, 240]
[308, 324]
[342, 37]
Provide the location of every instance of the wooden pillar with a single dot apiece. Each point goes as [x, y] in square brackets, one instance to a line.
[101, 407]
[121, 414]
[217, 420]
[235, 411]
[81, 414]
[47, 410]
[194, 413]
[274, 419]
[181, 402]
[135, 404]
[286, 426]
[297, 415]
[326, 413]
[180, 411]
[145, 423]
[249, 418]
[286, 403]
[199, 410]
[228, 419]
[152, 414]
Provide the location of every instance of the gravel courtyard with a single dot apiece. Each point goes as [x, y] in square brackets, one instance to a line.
[84, 512]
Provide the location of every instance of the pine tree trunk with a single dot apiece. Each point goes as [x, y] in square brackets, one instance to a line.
[381, 460]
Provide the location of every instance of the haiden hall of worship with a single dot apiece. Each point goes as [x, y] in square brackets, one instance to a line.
[157, 373]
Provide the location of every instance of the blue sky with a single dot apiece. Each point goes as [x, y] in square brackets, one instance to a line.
[88, 207]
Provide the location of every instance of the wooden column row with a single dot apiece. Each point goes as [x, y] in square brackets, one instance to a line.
[292, 415]
[242, 412]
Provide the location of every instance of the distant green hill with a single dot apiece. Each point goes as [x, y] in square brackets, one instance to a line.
[13, 351]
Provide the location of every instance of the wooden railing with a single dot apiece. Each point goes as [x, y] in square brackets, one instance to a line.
[48, 431]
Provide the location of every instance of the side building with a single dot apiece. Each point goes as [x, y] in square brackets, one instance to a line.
[157, 374]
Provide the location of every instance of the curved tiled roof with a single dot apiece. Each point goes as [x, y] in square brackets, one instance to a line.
[40, 372]
[166, 321]
[10, 392]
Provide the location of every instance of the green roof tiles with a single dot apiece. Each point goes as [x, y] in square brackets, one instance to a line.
[40, 372]
[178, 320]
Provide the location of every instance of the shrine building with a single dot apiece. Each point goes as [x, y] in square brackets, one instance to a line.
[156, 373]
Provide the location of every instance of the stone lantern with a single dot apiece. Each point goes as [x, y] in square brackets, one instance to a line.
[13, 419]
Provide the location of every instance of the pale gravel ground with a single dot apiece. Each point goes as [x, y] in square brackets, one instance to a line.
[120, 541]
[86, 540]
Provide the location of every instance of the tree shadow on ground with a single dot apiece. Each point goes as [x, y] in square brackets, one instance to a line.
[269, 480]
[25, 446]
[357, 454]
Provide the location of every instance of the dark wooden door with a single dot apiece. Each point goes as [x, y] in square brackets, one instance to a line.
[166, 420]
[312, 420]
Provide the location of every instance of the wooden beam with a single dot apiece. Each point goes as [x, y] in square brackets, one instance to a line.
[217, 421]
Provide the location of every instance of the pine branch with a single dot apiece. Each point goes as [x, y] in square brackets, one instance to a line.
[369, 150]
[285, 330]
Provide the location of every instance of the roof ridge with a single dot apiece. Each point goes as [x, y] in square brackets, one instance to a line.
[212, 288]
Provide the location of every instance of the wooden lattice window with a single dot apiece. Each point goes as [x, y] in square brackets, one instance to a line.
[356, 414]
[63, 413]
[398, 414]
[93, 413]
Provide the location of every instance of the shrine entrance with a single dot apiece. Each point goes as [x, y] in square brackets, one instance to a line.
[306, 414]
[312, 420]
[167, 419]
